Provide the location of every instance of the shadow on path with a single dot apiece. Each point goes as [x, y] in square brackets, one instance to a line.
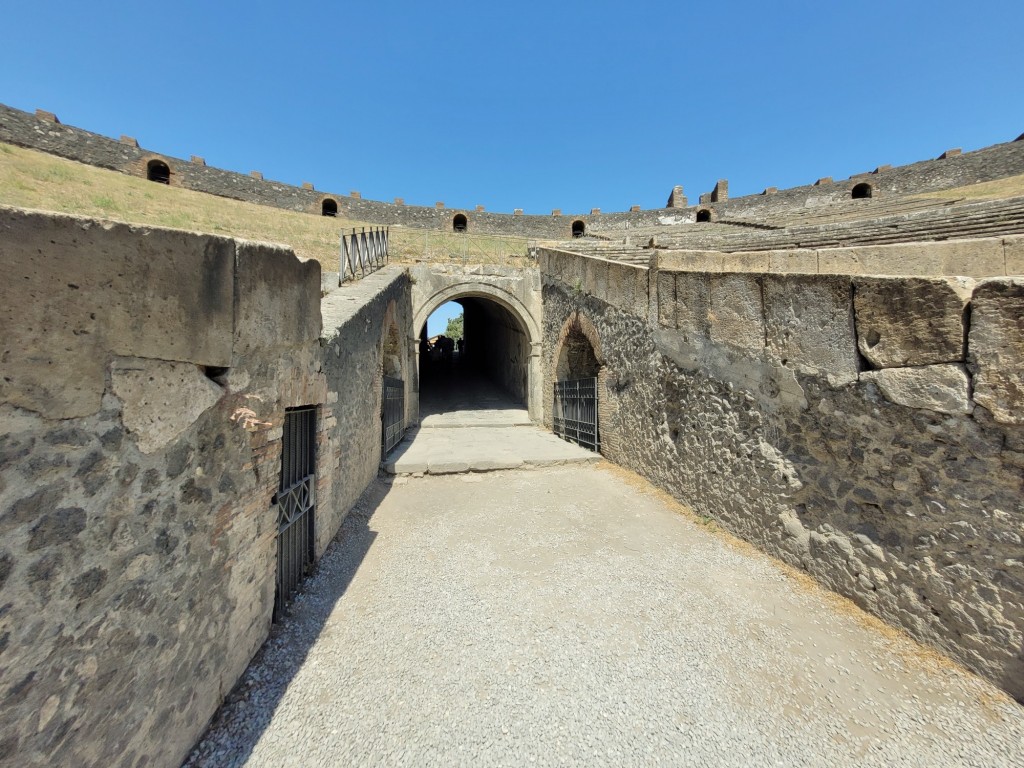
[249, 708]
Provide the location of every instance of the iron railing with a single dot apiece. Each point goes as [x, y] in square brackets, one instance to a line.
[393, 415]
[575, 413]
[364, 250]
[296, 504]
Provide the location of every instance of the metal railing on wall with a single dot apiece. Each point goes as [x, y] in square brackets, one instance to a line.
[364, 250]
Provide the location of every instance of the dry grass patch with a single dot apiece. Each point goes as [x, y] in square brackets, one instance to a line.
[30, 179]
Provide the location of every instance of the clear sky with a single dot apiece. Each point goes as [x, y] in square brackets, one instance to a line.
[438, 320]
[533, 105]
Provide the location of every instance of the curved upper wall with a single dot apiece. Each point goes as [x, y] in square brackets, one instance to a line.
[44, 132]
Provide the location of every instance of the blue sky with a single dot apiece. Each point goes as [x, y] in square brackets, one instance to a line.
[569, 105]
[438, 320]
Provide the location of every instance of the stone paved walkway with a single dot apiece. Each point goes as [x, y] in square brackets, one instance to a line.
[571, 616]
[468, 425]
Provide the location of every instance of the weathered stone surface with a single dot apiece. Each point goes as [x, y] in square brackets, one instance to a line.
[161, 399]
[158, 548]
[277, 298]
[666, 285]
[996, 348]
[737, 314]
[746, 261]
[968, 258]
[691, 261]
[912, 513]
[796, 260]
[911, 321]
[78, 290]
[939, 388]
[1013, 253]
[809, 324]
[693, 306]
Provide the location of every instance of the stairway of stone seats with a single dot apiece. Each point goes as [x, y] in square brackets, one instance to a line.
[843, 210]
[987, 218]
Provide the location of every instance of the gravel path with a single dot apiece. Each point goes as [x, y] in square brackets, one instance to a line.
[567, 616]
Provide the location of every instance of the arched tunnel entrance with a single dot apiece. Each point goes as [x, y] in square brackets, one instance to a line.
[474, 356]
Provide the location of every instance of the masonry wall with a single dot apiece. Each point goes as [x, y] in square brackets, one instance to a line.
[28, 130]
[357, 322]
[865, 429]
[145, 378]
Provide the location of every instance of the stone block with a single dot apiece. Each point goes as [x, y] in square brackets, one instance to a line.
[692, 261]
[161, 399]
[939, 388]
[746, 261]
[737, 314]
[967, 258]
[809, 324]
[78, 290]
[995, 348]
[693, 306]
[797, 260]
[911, 321]
[666, 287]
[277, 298]
[1013, 255]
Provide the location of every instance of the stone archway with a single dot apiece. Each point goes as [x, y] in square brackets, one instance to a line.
[578, 353]
[451, 288]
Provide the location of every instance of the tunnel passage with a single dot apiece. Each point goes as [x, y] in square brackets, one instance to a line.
[490, 368]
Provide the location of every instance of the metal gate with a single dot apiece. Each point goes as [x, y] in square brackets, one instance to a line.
[394, 414]
[296, 503]
[575, 413]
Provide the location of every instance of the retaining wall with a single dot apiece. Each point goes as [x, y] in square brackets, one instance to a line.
[865, 429]
[145, 377]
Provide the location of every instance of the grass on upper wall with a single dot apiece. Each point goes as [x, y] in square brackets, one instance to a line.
[1011, 186]
[31, 179]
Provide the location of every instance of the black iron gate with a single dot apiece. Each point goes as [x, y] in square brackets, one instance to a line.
[394, 414]
[575, 413]
[296, 503]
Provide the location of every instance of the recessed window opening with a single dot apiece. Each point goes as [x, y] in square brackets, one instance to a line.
[460, 223]
[329, 207]
[861, 191]
[703, 215]
[579, 229]
[158, 171]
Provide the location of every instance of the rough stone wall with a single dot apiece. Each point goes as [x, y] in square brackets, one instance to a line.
[27, 130]
[865, 429]
[145, 379]
[356, 320]
[977, 257]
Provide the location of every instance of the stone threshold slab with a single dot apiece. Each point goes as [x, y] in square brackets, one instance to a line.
[441, 451]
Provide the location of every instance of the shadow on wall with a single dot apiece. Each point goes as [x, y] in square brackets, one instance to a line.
[227, 741]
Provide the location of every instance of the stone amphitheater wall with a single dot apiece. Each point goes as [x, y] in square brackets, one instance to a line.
[43, 132]
[865, 429]
[145, 377]
[979, 257]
